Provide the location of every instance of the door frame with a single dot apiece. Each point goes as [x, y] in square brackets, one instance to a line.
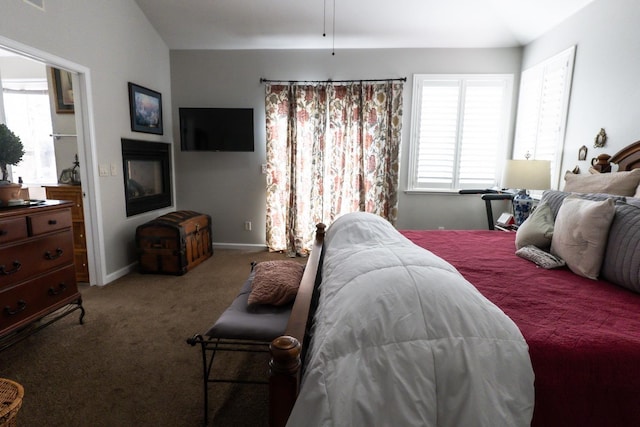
[85, 130]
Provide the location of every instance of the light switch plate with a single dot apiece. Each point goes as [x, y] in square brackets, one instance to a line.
[103, 170]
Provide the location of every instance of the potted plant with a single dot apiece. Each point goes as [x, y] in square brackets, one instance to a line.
[11, 152]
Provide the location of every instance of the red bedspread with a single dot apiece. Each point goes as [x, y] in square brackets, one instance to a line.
[583, 335]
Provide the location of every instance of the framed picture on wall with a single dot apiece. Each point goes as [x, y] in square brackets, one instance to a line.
[145, 108]
[63, 91]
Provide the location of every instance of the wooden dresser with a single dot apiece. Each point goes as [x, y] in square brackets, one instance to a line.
[37, 273]
[74, 193]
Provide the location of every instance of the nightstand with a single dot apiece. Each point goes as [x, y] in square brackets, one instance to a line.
[488, 198]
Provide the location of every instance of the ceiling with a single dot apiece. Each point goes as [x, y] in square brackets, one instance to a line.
[359, 24]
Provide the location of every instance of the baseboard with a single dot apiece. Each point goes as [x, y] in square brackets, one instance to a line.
[120, 273]
[241, 246]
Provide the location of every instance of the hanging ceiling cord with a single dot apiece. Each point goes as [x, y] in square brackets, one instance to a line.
[324, 19]
[263, 80]
[324, 25]
[333, 42]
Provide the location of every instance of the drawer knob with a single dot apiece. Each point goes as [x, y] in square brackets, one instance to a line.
[52, 222]
[22, 304]
[3, 232]
[16, 267]
[50, 256]
[61, 288]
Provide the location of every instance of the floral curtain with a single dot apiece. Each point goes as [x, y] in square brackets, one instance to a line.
[331, 149]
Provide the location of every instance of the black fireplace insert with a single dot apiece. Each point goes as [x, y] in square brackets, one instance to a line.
[147, 175]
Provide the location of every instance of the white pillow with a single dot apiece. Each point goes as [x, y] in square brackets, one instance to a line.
[580, 234]
[537, 230]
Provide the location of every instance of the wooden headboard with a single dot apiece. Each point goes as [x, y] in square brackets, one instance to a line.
[628, 158]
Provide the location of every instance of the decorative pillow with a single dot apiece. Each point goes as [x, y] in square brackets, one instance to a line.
[554, 198]
[542, 258]
[275, 282]
[537, 230]
[621, 264]
[580, 234]
[619, 183]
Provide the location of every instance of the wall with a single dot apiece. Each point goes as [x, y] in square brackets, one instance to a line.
[116, 43]
[605, 88]
[230, 186]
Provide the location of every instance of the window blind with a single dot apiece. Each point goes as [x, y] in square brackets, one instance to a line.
[459, 130]
[542, 110]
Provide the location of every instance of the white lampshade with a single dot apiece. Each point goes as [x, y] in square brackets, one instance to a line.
[527, 174]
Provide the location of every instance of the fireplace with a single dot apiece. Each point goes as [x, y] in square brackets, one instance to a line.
[147, 175]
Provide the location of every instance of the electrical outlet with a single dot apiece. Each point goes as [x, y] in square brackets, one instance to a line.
[247, 225]
[263, 168]
[103, 170]
[114, 169]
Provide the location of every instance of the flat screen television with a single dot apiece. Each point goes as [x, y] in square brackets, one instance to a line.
[216, 129]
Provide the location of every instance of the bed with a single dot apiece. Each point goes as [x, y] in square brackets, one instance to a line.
[565, 347]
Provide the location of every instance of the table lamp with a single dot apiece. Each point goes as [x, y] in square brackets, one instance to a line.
[524, 175]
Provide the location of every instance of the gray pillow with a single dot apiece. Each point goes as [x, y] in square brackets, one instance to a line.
[635, 201]
[621, 263]
[554, 198]
[537, 230]
[540, 257]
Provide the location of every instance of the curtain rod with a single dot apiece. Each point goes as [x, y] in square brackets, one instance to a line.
[263, 80]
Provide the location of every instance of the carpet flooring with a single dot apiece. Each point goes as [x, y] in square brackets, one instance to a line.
[129, 363]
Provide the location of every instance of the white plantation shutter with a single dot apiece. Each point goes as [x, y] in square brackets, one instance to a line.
[437, 133]
[542, 110]
[459, 130]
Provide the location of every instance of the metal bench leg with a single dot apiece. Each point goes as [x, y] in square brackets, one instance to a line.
[206, 369]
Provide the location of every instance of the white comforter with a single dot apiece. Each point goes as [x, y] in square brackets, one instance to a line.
[402, 339]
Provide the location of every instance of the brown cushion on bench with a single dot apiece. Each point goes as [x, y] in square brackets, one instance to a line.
[275, 282]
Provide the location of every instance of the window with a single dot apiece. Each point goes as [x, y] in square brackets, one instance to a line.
[27, 111]
[542, 110]
[459, 130]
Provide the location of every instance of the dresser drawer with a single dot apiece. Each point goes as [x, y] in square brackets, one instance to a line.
[34, 298]
[13, 229]
[49, 221]
[20, 261]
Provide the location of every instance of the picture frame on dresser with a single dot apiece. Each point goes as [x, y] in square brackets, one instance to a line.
[63, 91]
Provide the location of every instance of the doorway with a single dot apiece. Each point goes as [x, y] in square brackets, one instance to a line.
[71, 137]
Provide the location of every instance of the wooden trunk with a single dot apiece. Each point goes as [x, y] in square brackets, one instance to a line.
[174, 243]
